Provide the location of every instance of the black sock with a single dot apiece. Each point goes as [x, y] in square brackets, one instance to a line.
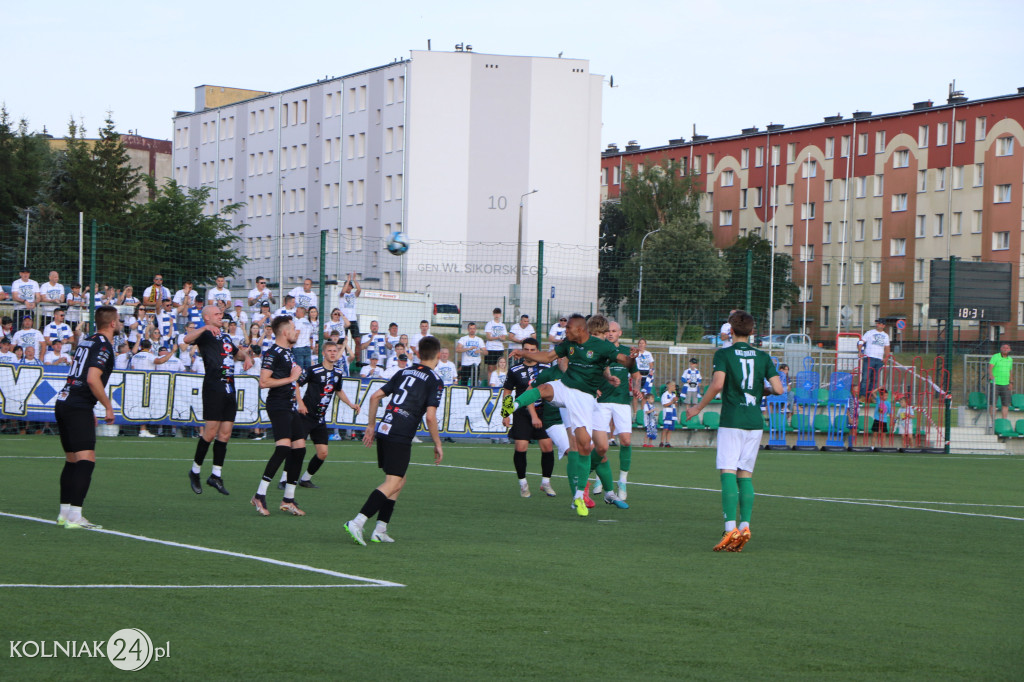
[547, 463]
[293, 466]
[387, 510]
[201, 447]
[519, 460]
[281, 453]
[67, 476]
[314, 465]
[82, 479]
[374, 502]
[220, 452]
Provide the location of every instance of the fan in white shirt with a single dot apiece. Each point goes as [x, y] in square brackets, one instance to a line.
[58, 354]
[401, 362]
[186, 291]
[28, 336]
[219, 293]
[304, 295]
[155, 292]
[51, 294]
[261, 294]
[24, 291]
[58, 329]
[414, 340]
[557, 332]
[519, 332]
[371, 370]
[446, 368]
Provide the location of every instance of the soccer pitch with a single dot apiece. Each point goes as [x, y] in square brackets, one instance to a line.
[862, 566]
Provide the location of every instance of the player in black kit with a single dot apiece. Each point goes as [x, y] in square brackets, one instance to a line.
[76, 421]
[279, 372]
[220, 402]
[414, 391]
[527, 425]
[322, 382]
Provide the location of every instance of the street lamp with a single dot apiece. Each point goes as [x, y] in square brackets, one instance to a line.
[640, 292]
[519, 251]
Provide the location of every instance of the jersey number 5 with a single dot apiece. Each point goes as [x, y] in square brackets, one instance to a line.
[406, 384]
[747, 365]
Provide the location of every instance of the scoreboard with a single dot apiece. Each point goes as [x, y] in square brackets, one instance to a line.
[982, 292]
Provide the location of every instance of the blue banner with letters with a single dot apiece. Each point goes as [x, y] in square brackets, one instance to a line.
[29, 392]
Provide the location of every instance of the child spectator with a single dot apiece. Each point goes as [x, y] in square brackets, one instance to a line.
[669, 400]
[852, 413]
[691, 381]
[650, 420]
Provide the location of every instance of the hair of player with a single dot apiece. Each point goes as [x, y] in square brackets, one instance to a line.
[429, 347]
[106, 315]
[531, 341]
[742, 323]
[597, 324]
[279, 323]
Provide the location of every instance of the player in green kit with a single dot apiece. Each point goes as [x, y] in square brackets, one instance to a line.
[614, 412]
[577, 391]
[739, 374]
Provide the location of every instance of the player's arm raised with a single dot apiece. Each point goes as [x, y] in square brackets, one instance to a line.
[541, 356]
[192, 336]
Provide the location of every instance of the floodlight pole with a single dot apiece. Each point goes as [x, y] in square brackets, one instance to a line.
[519, 251]
[640, 287]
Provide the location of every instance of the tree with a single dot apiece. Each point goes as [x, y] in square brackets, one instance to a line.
[758, 278]
[23, 159]
[173, 236]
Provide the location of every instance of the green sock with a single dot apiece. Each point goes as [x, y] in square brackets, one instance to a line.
[604, 471]
[594, 461]
[570, 470]
[746, 490]
[582, 471]
[625, 457]
[729, 494]
[528, 397]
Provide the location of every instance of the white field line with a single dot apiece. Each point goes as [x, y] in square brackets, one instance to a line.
[223, 552]
[178, 587]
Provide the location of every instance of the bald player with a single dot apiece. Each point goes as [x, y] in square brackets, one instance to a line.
[220, 402]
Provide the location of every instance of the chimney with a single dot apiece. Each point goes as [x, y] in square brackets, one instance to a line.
[834, 119]
[927, 104]
[750, 131]
[775, 127]
[677, 142]
[861, 114]
[632, 146]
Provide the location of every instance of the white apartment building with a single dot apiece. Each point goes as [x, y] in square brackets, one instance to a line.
[441, 146]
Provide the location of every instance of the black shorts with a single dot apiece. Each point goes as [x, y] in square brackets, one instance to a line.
[77, 427]
[493, 356]
[353, 328]
[522, 427]
[303, 427]
[218, 405]
[393, 457]
[282, 421]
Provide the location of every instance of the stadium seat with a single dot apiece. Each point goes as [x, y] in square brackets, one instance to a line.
[638, 421]
[1003, 429]
[1019, 428]
[822, 397]
[691, 424]
[711, 420]
[778, 420]
[840, 423]
[821, 423]
[801, 420]
[1017, 402]
[977, 401]
[864, 422]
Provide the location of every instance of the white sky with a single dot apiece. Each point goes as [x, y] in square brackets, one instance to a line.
[720, 65]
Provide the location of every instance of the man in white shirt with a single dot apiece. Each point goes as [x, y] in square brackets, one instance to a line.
[390, 340]
[155, 293]
[446, 368]
[399, 349]
[349, 293]
[75, 301]
[29, 336]
[51, 295]
[557, 332]
[874, 347]
[240, 316]
[6, 356]
[171, 361]
[25, 293]
[401, 362]
[302, 349]
[495, 333]
[725, 333]
[219, 293]
[123, 358]
[185, 292]
[305, 297]
[371, 370]
[288, 309]
[166, 320]
[519, 332]
[145, 360]
[57, 355]
[58, 329]
[414, 340]
[471, 346]
[260, 295]
[374, 343]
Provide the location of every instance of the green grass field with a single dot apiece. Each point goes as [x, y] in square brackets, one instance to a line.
[861, 567]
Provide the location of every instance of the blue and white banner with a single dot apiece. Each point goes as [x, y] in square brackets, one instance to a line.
[29, 393]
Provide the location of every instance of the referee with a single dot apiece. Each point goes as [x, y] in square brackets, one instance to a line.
[76, 422]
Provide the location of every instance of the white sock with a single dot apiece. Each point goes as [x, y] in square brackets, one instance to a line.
[262, 490]
[65, 509]
[289, 491]
[522, 483]
[381, 527]
[744, 525]
[730, 526]
[360, 519]
[578, 495]
[196, 468]
[622, 476]
[545, 481]
[284, 477]
[306, 476]
[217, 470]
[74, 514]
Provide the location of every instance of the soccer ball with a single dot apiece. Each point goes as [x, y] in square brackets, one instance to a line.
[398, 243]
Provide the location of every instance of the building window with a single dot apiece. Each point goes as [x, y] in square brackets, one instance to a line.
[745, 158]
[727, 178]
[775, 155]
[844, 146]
[940, 179]
[806, 294]
[919, 226]
[399, 186]
[1002, 194]
[758, 196]
[810, 168]
[791, 152]
[862, 144]
[922, 136]
[826, 274]
[940, 224]
[858, 230]
[979, 174]
[922, 180]
[899, 202]
[976, 225]
[789, 195]
[711, 202]
[958, 222]
[858, 316]
[901, 159]
[789, 235]
[806, 253]
[861, 187]
[824, 316]
[828, 190]
[830, 147]
[960, 131]
[919, 270]
[896, 290]
[1000, 241]
[807, 211]
[941, 134]
[604, 177]
[615, 175]
[958, 177]
[724, 218]
[696, 165]
[876, 271]
[826, 233]
[879, 185]
[858, 273]
[980, 128]
[880, 142]
[898, 247]
[759, 157]
[743, 198]
[1004, 146]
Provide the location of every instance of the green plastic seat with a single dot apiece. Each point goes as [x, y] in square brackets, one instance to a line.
[1017, 402]
[1019, 428]
[1003, 429]
[691, 424]
[801, 421]
[822, 397]
[977, 401]
[821, 423]
[711, 420]
[840, 423]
